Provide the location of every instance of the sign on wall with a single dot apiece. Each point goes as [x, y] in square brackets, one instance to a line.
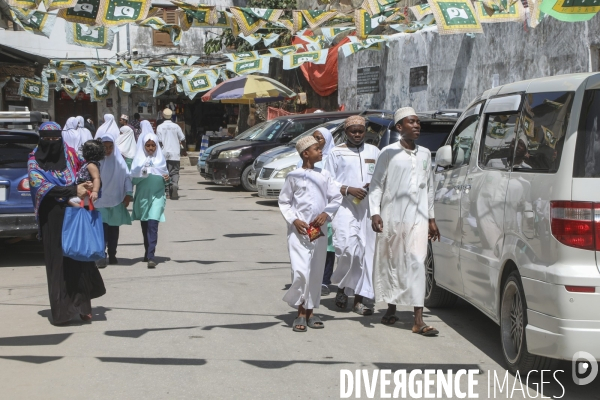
[418, 79]
[367, 80]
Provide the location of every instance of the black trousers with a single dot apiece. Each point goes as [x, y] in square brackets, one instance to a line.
[111, 238]
[329, 261]
[150, 232]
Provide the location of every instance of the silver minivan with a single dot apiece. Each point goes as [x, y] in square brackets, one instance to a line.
[517, 202]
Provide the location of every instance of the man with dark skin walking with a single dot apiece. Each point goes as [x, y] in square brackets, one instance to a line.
[404, 220]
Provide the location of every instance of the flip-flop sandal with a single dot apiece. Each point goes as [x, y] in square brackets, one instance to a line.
[299, 321]
[361, 309]
[341, 300]
[389, 319]
[315, 322]
[431, 332]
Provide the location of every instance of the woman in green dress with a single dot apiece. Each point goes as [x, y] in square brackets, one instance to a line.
[149, 175]
[117, 192]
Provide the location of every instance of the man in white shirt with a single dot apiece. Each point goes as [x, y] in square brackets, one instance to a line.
[171, 139]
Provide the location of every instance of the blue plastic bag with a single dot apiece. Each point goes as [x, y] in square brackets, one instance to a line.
[83, 234]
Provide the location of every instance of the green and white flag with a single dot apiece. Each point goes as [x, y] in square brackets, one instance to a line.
[51, 76]
[34, 88]
[330, 33]
[119, 12]
[291, 61]
[316, 18]
[64, 68]
[24, 4]
[456, 16]
[98, 94]
[351, 48]
[124, 83]
[52, 5]
[199, 82]
[255, 38]
[279, 52]
[84, 12]
[267, 14]
[260, 66]
[37, 22]
[570, 10]
[421, 11]
[161, 85]
[80, 78]
[71, 89]
[242, 56]
[98, 37]
[314, 43]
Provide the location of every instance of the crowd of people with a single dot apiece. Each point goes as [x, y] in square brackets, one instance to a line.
[73, 167]
[378, 207]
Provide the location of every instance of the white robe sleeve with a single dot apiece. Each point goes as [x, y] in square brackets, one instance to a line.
[430, 191]
[128, 184]
[378, 183]
[334, 197]
[285, 201]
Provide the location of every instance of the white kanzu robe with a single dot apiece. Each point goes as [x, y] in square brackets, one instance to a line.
[353, 237]
[402, 194]
[307, 193]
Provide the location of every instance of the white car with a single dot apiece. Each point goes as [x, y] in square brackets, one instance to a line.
[516, 203]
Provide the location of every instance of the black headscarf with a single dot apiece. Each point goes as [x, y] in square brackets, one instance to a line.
[50, 155]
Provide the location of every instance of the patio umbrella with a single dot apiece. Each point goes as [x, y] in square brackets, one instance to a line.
[248, 89]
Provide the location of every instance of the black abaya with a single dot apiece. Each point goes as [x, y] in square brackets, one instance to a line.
[71, 284]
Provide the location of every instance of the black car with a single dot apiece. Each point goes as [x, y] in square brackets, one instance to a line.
[231, 163]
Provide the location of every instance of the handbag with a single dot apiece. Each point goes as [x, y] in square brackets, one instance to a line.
[83, 234]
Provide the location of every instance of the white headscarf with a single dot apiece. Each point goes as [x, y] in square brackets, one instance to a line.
[329, 145]
[71, 135]
[84, 133]
[109, 126]
[146, 127]
[126, 142]
[154, 164]
[114, 174]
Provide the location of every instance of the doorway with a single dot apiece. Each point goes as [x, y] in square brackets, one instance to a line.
[65, 107]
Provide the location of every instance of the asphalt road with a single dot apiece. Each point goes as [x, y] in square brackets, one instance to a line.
[209, 322]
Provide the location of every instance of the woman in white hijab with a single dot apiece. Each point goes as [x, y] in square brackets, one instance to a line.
[71, 135]
[325, 140]
[149, 174]
[109, 125]
[117, 192]
[84, 133]
[127, 145]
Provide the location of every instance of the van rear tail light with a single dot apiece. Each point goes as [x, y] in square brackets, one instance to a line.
[23, 185]
[581, 289]
[576, 223]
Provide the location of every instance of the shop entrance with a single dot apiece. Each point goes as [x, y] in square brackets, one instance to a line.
[11, 99]
[65, 107]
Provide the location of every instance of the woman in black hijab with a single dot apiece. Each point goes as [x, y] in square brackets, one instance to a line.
[52, 169]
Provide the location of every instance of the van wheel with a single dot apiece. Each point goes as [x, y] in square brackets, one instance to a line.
[513, 321]
[435, 296]
[244, 180]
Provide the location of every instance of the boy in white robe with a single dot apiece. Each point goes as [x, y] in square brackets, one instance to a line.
[352, 165]
[401, 202]
[308, 199]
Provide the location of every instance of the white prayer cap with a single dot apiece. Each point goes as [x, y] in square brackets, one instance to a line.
[305, 143]
[403, 113]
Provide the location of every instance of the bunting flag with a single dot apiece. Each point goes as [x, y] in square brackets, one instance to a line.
[34, 88]
[203, 16]
[66, 67]
[158, 24]
[248, 23]
[514, 12]
[119, 12]
[113, 72]
[161, 85]
[81, 79]
[535, 14]
[254, 39]
[84, 12]
[421, 11]
[351, 48]
[317, 18]
[37, 22]
[183, 60]
[374, 7]
[52, 5]
[298, 22]
[331, 33]
[24, 4]
[366, 23]
[97, 75]
[123, 83]
[414, 26]
[279, 52]
[142, 81]
[51, 76]
[98, 94]
[285, 23]
[98, 37]
[314, 43]
[260, 66]
[570, 10]
[457, 16]
[267, 14]
[235, 27]
[200, 82]
[248, 55]
[291, 61]
[70, 89]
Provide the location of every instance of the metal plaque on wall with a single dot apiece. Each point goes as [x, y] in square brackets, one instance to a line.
[418, 79]
[367, 80]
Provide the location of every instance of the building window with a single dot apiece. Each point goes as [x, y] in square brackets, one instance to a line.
[163, 38]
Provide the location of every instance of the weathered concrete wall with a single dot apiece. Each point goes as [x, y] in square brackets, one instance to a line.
[461, 67]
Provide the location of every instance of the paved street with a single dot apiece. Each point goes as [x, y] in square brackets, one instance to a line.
[209, 322]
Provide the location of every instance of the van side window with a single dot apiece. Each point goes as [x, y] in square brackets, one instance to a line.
[498, 142]
[587, 155]
[462, 141]
[541, 133]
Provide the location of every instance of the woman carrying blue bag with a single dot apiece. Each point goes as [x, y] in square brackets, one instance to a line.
[52, 173]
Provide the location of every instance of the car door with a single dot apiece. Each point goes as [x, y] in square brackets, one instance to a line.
[483, 200]
[448, 183]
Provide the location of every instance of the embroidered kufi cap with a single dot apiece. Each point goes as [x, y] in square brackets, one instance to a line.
[305, 143]
[403, 113]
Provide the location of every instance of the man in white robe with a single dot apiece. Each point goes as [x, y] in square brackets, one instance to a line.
[309, 198]
[401, 201]
[352, 165]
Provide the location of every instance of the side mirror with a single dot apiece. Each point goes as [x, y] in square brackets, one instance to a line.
[286, 137]
[443, 157]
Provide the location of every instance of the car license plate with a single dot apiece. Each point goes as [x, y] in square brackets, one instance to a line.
[2, 193]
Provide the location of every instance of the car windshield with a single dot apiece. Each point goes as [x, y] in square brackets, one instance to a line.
[268, 132]
[15, 149]
[250, 132]
[432, 136]
[331, 125]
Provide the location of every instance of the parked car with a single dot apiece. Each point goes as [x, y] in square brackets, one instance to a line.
[273, 168]
[18, 137]
[231, 163]
[201, 166]
[516, 203]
